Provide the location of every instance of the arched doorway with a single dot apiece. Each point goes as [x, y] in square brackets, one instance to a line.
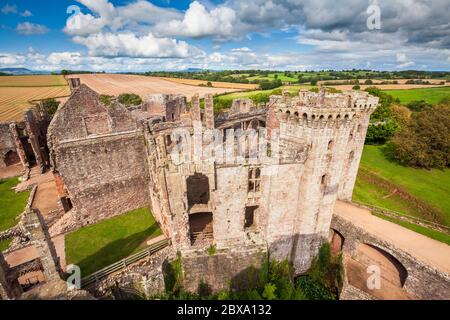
[197, 190]
[11, 158]
[336, 241]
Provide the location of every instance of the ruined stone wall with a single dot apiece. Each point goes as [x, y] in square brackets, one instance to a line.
[100, 154]
[105, 176]
[6, 143]
[226, 269]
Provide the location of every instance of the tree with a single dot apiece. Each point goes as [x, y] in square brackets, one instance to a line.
[418, 105]
[50, 106]
[368, 82]
[357, 87]
[425, 141]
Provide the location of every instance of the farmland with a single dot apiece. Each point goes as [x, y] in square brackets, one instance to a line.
[429, 95]
[116, 84]
[215, 84]
[33, 81]
[17, 93]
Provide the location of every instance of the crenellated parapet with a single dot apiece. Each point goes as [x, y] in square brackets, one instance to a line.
[322, 109]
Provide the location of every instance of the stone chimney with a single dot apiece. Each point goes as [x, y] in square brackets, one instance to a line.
[209, 111]
[195, 108]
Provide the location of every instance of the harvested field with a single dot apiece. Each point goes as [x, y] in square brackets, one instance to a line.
[32, 81]
[215, 84]
[435, 83]
[116, 84]
[15, 100]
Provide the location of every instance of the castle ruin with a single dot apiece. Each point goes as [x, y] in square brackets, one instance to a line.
[108, 160]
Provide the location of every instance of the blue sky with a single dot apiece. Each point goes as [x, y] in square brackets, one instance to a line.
[141, 35]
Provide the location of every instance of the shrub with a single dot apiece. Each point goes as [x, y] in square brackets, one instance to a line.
[106, 100]
[50, 106]
[357, 87]
[129, 99]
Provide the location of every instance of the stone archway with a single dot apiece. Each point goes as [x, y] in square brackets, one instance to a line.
[336, 240]
[377, 272]
[11, 158]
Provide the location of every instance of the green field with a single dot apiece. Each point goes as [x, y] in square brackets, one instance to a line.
[12, 204]
[97, 246]
[271, 77]
[430, 95]
[418, 192]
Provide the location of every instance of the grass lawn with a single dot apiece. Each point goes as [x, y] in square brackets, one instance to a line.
[430, 95]
[11, 205]
[97, 246]
[431, 187]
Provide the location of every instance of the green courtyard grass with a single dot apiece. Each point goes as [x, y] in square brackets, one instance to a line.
[431, 187]
[12, 205]
[429, 95]
[97, 246]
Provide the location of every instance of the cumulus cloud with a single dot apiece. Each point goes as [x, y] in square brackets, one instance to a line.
[198, 22]
[403, 60]
[27, 28]
[11, 59]
[105, 16]
[26, 13]
[9, 9]
[130, 45]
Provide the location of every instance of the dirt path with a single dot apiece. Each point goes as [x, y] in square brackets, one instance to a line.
[29, 253]
[11, 171]
[430, 251]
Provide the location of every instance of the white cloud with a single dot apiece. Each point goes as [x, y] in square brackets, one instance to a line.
[11, 59]
[26, 13]
[199, 22]
[404, 61]
[27, 28]
[9, 9]
[106, 17]
[130, 45]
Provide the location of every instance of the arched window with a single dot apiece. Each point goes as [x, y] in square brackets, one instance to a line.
[254, 180]
[330, 145]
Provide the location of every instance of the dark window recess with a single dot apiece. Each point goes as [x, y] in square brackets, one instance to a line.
[250, 216]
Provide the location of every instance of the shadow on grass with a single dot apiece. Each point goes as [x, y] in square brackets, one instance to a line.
[115, 251]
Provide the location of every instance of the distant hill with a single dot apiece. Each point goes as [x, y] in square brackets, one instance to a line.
[20, 71]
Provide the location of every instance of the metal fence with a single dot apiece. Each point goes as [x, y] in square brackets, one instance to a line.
[119, 265]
